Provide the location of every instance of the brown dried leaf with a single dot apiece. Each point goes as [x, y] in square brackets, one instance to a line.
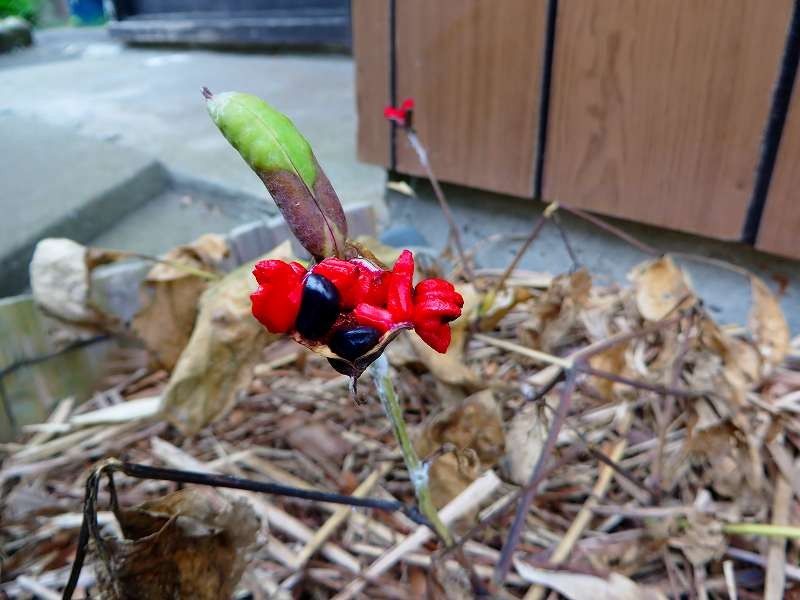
[218, 360]
[557, 313]
[661, 288]
[169, 297]
[501, 304]
[475, 423]
[579, 586]
[612, 361]
[768, 323]
[524, 441]
[702, 539]
[191, 544]
[475, 428]
[451, 473]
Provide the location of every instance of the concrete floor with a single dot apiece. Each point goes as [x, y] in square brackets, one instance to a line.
[149, 100]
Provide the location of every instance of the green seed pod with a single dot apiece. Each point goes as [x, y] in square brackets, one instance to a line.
[274, 148]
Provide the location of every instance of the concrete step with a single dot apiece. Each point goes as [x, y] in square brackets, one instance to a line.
[54, 182]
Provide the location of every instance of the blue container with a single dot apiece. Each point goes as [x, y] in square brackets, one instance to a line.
[87, 12]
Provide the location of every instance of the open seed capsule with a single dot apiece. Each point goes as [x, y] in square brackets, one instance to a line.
[355, 342]
[319, 307]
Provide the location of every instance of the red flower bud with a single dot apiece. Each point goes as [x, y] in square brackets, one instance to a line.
[402, 114]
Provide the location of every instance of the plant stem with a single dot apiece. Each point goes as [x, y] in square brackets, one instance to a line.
[422, 155]
[764, 529]
[417, 470]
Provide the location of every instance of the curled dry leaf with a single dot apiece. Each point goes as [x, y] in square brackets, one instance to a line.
[500, 304]
[524, 441]
[611, 360]
[475, 423]
[451, 473]
[169, 294]
[218, 360]
[701, 540]
[661, 288]
[724, 363]
[768, 323]
[718, 446]
[191, 544]
[556, 315]
[579, 586]
[475, 429]
[60, 274]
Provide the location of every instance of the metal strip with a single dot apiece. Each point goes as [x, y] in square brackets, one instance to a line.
[544, 97]
[773, 131]
[393, 81]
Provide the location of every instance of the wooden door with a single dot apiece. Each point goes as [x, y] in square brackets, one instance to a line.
[658, 108]
[779, 232]
[473, 68]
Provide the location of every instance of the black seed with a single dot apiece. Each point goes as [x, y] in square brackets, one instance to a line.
[352, 343]
[319, 307]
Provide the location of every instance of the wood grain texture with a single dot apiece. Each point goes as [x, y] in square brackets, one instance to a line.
[371, 51]
[659, 108]
[473, 68]
[780, 224]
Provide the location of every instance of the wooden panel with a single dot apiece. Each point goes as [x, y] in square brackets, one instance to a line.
[659, 107]
[473, 67]
[371, 50]
[780, 224]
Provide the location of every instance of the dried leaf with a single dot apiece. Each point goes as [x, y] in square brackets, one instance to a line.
[475, 429]
[702, 539]
[226, 344]
[169, 297]
[612, 361]
[524, 441]
[500, 305]
[661, 288]
[451, 473]
[475, 423]
[557, 312]
[768, 323]
[191, 544]
[578, 586]
[61, 283]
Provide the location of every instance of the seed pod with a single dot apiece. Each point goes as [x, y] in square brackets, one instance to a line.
[355, 342]
[274, 148]
[319, 307]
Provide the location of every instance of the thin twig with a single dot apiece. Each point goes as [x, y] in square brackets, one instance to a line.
[422, 155]
[89, 527]
[529, 492]
[607, 227]
[576, 264]
[604, 476]
[535, 231]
